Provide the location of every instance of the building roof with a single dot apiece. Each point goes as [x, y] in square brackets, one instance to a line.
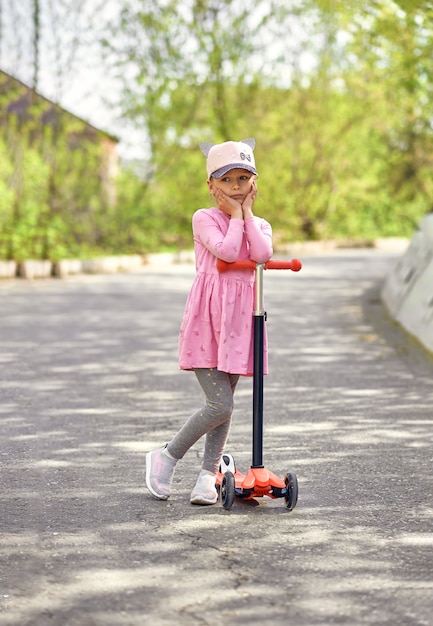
[21, 103]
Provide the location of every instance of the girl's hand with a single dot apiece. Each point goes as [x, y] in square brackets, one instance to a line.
[228, 205]
[248, 203]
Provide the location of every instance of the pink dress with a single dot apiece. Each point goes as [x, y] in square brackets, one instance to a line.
[217, 326]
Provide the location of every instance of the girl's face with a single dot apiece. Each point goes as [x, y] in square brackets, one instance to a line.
[235, 184]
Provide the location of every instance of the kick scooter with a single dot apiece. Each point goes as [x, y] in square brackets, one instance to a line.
[258, 481]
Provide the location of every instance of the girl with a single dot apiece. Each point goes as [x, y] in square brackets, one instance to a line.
[216, 334]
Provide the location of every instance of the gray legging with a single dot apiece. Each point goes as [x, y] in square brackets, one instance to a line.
[212, 420]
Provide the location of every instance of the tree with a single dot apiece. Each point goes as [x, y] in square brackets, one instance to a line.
[36, 38]
[392, 73]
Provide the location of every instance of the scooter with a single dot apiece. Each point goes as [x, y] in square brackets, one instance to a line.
[258, 481]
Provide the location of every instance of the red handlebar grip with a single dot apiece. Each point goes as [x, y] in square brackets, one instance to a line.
[245, 264]
[294, 265]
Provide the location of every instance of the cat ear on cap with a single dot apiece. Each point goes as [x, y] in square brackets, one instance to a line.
[205, 146]
[251, 142]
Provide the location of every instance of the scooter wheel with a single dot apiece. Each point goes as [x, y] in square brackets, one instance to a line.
[291, 496]
[227, 490]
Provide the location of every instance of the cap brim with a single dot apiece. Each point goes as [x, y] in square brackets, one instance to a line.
[223, 170]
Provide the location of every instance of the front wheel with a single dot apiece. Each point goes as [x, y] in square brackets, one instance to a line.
[291, 496]
[228, 490]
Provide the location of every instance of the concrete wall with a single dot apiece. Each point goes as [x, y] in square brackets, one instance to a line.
[408, 290]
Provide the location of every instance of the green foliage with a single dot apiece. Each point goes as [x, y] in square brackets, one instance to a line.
[7, 198]
[53, 199]
[132, 228]
[31, 208]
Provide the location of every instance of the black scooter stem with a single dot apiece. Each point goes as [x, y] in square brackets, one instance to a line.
[259, 327]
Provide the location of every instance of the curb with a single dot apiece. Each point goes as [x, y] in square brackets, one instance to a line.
[32, 269]
[8, 269]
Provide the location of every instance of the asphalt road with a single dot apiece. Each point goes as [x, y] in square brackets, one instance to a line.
[89, 382]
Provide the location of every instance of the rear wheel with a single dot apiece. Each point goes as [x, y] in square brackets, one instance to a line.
[291, 496]
[227, 490]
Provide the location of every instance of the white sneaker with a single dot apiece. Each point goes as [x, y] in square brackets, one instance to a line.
[204, 491]
[159, 473]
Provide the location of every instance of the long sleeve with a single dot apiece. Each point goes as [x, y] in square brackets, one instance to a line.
[208, 231]
[259, 236]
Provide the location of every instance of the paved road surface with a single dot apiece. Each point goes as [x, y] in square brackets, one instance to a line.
[89, 383]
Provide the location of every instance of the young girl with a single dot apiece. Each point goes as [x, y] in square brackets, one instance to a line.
[216, 334]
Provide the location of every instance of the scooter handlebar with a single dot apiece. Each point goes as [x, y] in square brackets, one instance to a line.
[245, 264]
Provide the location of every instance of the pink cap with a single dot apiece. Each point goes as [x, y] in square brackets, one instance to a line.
[223, 157]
